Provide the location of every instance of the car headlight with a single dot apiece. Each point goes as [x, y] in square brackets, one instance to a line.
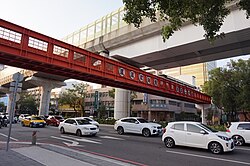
[224, 138]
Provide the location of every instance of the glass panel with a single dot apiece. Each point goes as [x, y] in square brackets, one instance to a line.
[109, 67]
[96, 63]
[60, 51]
[38, 44]
[76, 39]
[10, 35]
[79, 57]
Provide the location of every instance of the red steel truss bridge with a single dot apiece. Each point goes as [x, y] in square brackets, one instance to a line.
[24, 48]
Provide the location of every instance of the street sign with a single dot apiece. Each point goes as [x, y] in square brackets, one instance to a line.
[15, 87]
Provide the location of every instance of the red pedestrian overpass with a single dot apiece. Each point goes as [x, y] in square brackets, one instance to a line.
[24, 48]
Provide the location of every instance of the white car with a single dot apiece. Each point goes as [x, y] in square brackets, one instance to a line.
[240, 132]
[92, 121]
[137, 125]
[195, 134]
[22, 116]
[78, 126]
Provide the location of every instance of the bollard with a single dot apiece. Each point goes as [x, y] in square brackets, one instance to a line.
[34, 138]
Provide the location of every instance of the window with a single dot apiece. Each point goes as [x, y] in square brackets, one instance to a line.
[70, 121]
[129, 120]
[171, 102]
[187, 105]
[193, 128]
[178, 126]
[245, 126]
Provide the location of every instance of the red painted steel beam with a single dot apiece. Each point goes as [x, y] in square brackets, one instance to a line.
[24, 48]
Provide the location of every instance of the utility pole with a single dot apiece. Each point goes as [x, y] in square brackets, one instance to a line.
[15, 88]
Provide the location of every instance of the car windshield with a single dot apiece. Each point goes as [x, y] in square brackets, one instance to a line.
[142, 120]
[36, 118]
[88, 119]
[82, 122]
[207, 128]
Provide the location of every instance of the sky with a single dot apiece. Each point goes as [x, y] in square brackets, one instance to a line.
[59, 18]
[56, 18]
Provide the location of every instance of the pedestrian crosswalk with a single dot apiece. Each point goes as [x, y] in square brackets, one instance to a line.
[70, 140]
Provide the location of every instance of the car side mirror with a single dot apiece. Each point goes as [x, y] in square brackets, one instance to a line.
[203, 132]
[136, 122]
[74, 124]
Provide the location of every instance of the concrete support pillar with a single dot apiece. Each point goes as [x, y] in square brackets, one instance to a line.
[45, 99]
[122, 103]
[47, 86]
[203, 108]
[149, 116]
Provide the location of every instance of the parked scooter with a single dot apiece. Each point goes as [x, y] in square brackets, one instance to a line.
[3, 121]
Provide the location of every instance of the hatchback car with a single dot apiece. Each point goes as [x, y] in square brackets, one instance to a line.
[78, 126]
[54, 120]
[33, 121]
[195, 134]
[137, 125]
[240, 132]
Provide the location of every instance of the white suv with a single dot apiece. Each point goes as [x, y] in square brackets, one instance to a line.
[137, 125]
[240, 132]
[195, 134]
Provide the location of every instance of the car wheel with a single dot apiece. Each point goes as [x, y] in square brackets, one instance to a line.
[215, 147]
[146, 132]
[238, 140]
[62, 130]
[169, 142]
[120, 130]
[78, 133]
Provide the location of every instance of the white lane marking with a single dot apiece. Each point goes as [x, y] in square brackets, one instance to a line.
[242, 149]
[207, 157]
[81, 139]
[109, 137]
[4, 142]
[10, 137]
[74, 143]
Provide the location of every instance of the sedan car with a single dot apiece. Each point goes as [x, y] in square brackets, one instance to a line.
[137, 125]
[92, 121]
[240, 132]
[33, 121]
[198, 135]
[78, 126]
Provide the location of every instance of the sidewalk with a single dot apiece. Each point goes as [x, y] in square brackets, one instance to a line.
[52, 155]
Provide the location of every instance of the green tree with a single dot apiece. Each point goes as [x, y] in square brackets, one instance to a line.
[208, 14]
[27, 104]
[75, 98]
[230, 88]
[102, 111]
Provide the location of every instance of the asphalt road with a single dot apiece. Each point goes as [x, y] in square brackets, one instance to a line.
[134, 148]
